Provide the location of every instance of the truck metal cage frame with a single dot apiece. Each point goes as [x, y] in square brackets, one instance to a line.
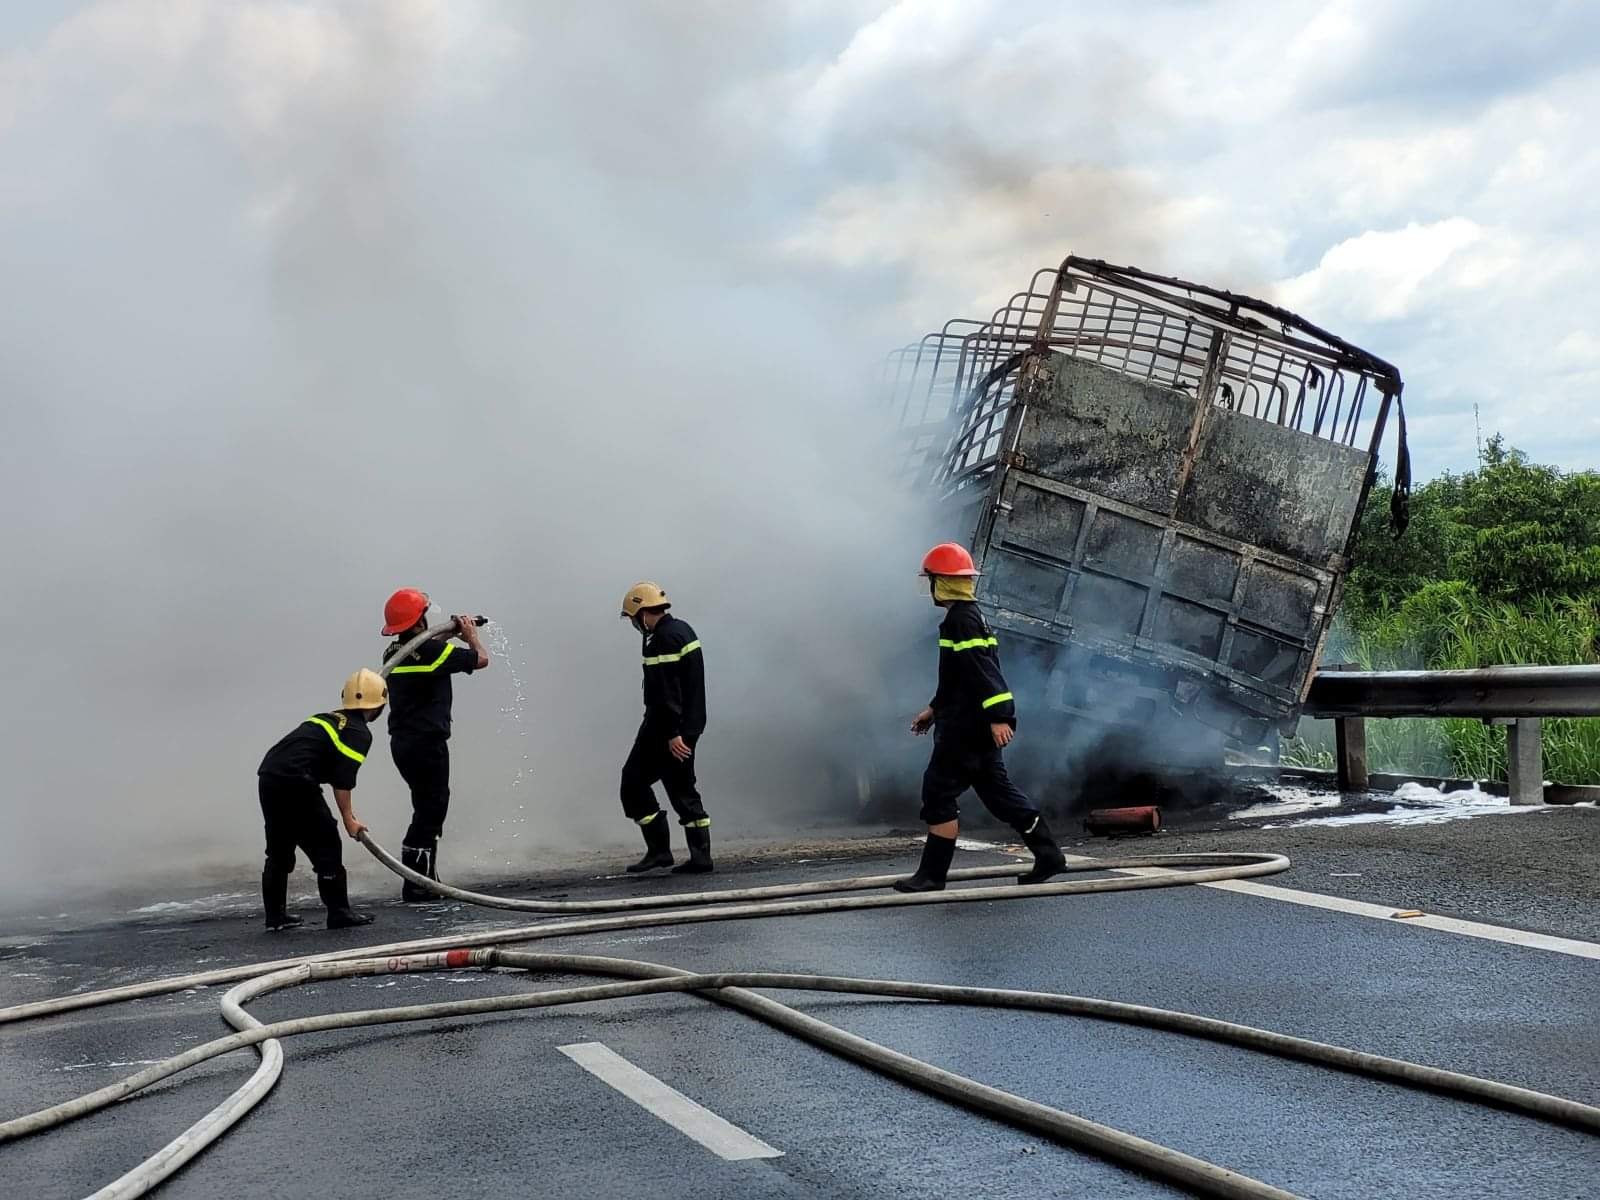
[953, 390]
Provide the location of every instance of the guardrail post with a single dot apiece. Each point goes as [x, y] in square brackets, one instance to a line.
[1525, 761]
[1350, 744]
[1350, 741]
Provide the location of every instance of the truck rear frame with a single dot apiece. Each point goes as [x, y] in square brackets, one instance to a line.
[1161, 482]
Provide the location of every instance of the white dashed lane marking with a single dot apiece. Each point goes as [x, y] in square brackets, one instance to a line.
[1388, 912]
[722, 1138]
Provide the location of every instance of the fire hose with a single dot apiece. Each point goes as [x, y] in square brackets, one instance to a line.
[733, 990]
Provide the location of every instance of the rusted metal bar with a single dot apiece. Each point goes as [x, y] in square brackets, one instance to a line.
[1487, 692]
[1108, 822]
[1202, 401]
[1137, 280]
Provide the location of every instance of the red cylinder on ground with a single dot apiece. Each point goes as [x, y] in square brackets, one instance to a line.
[1107, 822]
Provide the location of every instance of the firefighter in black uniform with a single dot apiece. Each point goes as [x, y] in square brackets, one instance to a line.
[419, 726]
[674, 719]
[326, 748]
[973, 717]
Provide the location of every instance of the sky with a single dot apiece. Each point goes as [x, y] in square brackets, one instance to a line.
[521, 302]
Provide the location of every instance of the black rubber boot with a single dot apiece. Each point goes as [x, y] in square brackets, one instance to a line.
[275, 899]
[936, 855]
[699, 860]
[1048, 861]
[335, 892]
[657, 845]
[421, 860]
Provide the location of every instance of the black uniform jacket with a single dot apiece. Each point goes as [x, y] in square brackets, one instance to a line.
[419, 688]
[972, 692]
[327, 748]
[674, 680]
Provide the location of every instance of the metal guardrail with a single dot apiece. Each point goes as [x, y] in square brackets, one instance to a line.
[1517, 697]
[1488, 693]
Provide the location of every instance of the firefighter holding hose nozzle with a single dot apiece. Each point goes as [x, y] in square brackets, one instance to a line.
[973, 718]
[674, 719]
[328, 747]
[419, 726]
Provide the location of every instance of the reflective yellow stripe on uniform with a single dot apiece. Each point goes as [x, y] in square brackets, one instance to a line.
[659, 659]
[702, 823]
[1000, 699]
[433, 666]
[969, 644]
[651, 817]
[337, 744]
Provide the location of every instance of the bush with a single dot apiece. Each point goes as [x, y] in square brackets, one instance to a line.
[1499, 566]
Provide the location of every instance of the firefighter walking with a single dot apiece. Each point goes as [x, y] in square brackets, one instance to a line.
[674, 719]
[327, 748]
[419, 725]
[973, 717]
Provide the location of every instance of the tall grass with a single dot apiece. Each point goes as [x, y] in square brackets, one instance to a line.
[1448, 626]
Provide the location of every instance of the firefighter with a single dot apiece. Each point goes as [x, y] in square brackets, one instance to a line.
[419, 726]
[326, 748]
[674, 719]
[973, 717]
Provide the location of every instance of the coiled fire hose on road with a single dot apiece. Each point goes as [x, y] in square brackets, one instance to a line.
[730, 905]
[732, 989]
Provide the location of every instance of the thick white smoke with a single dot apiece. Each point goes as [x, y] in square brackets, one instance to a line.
[308, 301]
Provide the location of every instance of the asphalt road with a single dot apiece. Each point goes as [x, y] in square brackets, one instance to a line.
[490, 1106]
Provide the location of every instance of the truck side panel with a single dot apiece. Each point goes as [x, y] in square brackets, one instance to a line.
[1273, 487]
[1220, 571]
[1109, 434]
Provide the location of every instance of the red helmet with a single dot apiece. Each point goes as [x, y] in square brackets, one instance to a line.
[403, 610]
[947, 558]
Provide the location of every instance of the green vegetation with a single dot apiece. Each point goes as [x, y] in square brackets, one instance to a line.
[1499, 565]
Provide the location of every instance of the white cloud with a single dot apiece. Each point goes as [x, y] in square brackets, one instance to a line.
[1579, 349]
[1389, 274]
[914, 40]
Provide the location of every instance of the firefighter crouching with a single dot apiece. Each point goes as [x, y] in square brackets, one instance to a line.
[419, 725]
[327, 748]
[973, 717]
[674, 719]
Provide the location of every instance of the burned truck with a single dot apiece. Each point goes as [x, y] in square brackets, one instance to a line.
[1160, 482]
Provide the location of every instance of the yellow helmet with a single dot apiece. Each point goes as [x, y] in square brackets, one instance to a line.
[365, 689]
[643, 594]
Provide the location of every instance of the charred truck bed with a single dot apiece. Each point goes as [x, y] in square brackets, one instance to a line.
[1160, 482]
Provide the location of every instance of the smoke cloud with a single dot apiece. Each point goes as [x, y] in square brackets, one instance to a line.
[307, 303]
[516, 304]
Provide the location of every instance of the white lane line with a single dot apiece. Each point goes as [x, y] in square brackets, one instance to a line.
[1387, 912]
[722, 1138]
